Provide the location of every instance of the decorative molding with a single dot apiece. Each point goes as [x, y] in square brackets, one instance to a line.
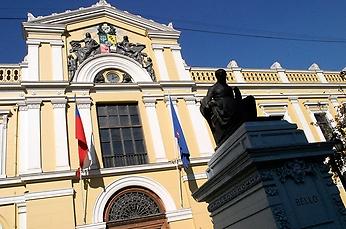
[271, 190]
[92, 226]
[276, 65]
[199, 176]
[296, 170]
[83, 105]
[266, 175]
[179, 214]
[35, 196]
[59, 103]
[149, 101]
[33, 103]
[88, 70]
[235, 191]
[162, 46]
[281, 218]
[190, 100]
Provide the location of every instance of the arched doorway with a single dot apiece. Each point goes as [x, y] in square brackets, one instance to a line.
[137, 208]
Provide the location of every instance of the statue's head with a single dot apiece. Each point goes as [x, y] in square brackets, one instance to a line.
[126, 38]
[221, 75]
[88, 35]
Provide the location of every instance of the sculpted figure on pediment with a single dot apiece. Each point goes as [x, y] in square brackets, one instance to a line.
[90, 48]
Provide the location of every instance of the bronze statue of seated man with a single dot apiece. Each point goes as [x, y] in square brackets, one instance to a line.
[225, 109]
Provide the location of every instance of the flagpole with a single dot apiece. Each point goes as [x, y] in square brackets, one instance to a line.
[177, 153]
[179, 174]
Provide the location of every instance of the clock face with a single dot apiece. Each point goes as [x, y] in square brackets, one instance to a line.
[112, 77]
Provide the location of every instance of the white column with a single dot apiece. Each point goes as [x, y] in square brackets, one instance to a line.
[33, 61]
[160, 60]
[200, 130]
[23, 137]
[3, 145]
[84, 105]
[34, 136]
[179, 63]
[22, 219]
[60, 133]
[57, 66]
[154, 126]
[302, 120]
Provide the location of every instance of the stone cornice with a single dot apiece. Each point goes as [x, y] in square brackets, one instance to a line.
[71, 174]
[30, 27]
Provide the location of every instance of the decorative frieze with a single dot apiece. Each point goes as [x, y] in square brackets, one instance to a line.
[235, 191]
[281, 218]
[296, 170]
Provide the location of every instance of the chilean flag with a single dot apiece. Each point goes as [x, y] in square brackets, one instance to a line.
[84, 159]
[179, 135]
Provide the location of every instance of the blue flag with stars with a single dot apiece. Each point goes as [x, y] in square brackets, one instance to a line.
[179, 135]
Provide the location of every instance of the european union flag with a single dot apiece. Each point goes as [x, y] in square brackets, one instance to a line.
[179, 135]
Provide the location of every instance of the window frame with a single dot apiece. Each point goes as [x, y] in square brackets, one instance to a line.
[112, 130]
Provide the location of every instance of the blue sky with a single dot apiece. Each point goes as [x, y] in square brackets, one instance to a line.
[227, 29]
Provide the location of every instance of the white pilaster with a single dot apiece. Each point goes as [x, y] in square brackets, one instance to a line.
[280, 71]
[22, 219]
[84, 105]
[33, 61]
[3, 143]
[302, 120]
[161, 64]
[238, 75]
[233, 65]
[200, 130]
[23, 137]
[282, 75]
[34, 136]
[60, 129]
[334, 102]
[179, 63]
[154, 126]
[321, 77]
[318, 129]
[57, 66]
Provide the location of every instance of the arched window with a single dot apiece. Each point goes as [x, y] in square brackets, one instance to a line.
[135, 207]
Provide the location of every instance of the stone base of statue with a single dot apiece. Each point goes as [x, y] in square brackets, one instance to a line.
[266, 175]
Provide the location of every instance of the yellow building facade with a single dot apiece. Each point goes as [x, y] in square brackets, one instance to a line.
[120, 78]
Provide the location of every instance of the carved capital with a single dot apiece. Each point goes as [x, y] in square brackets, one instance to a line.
[4, 121]
[149, 101]
[23, 107]
[83, 106]
[190, 100]
[59, 103]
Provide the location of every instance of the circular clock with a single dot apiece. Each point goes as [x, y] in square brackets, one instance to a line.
[112, 77]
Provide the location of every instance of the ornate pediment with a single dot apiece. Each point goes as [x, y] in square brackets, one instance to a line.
[100, 9]
[107, 42]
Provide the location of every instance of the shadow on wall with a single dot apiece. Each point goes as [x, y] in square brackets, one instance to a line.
[191, 179]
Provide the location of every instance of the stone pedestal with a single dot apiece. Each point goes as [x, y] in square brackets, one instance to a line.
[266, 175]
